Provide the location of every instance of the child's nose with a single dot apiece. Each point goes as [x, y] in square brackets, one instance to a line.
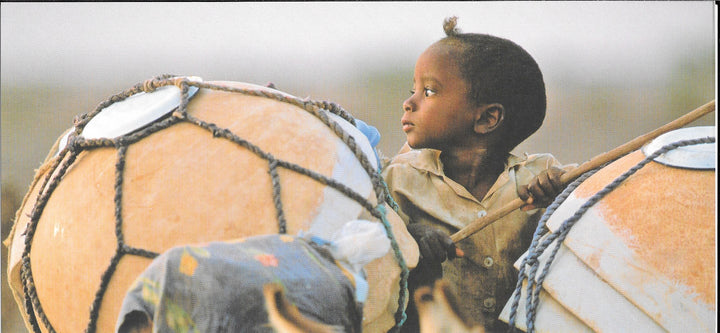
[408, 106]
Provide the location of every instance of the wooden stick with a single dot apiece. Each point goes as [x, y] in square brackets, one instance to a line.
[593, 163]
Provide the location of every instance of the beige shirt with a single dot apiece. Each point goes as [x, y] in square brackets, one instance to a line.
[485, 276]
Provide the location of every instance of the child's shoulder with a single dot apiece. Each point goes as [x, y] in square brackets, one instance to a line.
[413, 163]
[536, 162]
[406, 157]
[417, 158]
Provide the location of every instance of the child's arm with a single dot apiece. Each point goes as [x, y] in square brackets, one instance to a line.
[542, 190]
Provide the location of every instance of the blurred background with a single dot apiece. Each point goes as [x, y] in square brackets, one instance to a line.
[613, 70]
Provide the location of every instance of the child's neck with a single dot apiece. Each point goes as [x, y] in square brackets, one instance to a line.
[476, 169]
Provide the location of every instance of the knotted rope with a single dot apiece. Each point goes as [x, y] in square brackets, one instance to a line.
[531, 261]
[76, 144]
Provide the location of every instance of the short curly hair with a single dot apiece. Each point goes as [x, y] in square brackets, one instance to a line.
[500, 71]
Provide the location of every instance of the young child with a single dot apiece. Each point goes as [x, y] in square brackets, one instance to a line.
[474, 98]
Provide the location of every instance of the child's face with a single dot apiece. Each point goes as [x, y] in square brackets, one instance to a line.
[438, 113]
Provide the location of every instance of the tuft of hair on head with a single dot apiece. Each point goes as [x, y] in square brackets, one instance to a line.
[450, 26]
[500, 71]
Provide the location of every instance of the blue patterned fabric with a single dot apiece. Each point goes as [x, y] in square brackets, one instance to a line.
[218, 287]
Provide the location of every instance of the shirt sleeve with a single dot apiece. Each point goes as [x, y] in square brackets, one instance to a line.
[390, 174]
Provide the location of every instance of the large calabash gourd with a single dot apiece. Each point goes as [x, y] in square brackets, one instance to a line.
[232, 160]
[643, 257]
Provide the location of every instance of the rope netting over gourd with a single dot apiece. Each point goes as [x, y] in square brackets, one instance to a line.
[531, 267]
[77, 144]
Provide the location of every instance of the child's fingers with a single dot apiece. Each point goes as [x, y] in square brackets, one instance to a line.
[450, 247]
[527, 208]
[554, 175]
[524, 194]
[536, 191]
[439, 253]
[426, 252]
[542, 189]
[545, 184]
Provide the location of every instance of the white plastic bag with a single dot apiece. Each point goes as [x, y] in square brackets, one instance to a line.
[359, 242]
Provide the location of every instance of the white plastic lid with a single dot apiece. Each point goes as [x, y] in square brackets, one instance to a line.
[135, 112]
[700, 156]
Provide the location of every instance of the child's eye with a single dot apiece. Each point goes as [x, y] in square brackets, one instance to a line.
[412, 92]
[428, 92]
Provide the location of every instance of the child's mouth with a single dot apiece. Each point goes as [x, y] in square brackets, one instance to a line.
[407, 126]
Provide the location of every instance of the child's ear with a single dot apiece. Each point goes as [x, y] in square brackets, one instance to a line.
[488, 117]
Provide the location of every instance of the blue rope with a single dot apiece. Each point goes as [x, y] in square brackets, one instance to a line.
[400, 315]
[536, 248]
[531, 259]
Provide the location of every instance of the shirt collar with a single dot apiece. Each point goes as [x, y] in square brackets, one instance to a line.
[429, 160]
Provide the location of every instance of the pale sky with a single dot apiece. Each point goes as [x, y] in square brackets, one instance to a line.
[88, 51]
[93, 41]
